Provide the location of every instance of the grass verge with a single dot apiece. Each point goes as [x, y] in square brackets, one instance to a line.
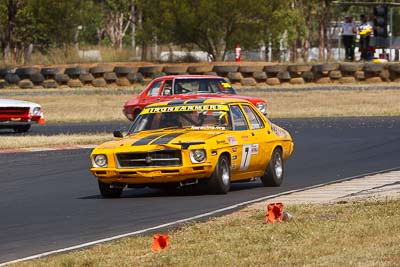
[351, 234]
[27, 141]
[107, 106]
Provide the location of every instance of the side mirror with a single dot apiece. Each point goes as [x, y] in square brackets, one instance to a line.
[118, 134]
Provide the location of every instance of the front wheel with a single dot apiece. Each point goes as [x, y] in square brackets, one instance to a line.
[275, 170]
[220, 181]
[107, 191]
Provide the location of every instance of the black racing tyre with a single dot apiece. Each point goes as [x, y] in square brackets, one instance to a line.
[326, 67]
[284, 76]
[49, 73]
[308, 76]
[299, 68]
[74, 83]
[50, 83]
[275, 170]
[148, 71]
[25, 73]
[86, 78]
[37, 78]
[260, 76]
[225, 69]
[335, 74]
[135, 77]
[395, 67]
[375, 68]
[220, 181]
[61, 78]
[274, 68]
[99, 82]
[235, 76]
[107, 191]
[25, 84]
[22, 128]
[250, 69]
[175, 70]
[5, 71]
[12, 78]
[3, 83]
[100, 70]
[249, 81]
[124, 70]
[74, 72]
[350, 67]
[110, 77]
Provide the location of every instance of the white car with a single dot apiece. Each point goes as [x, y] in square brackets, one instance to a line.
[19, 115]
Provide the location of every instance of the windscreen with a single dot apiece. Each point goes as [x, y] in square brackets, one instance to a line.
[201, 117]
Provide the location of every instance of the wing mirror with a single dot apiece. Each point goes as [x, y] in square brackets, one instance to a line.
[118, 134]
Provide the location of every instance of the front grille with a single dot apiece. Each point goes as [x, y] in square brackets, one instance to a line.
[158, 158]
[12, 111]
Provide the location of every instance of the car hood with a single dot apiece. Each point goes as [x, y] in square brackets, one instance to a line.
[16, 103]
[167, 138]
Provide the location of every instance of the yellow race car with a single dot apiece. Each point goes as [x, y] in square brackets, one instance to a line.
[181, 142]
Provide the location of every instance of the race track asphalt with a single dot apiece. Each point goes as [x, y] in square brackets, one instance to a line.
[50, 200]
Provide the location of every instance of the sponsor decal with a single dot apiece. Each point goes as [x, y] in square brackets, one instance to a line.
[246, 155]
[221, 142]
[233, 166]
[234, 157]
[245, 136]
[278, 131]
[184, 108]
[254, 149]
[232, 140]
[234, 149]
[208, 127]
[226, 85]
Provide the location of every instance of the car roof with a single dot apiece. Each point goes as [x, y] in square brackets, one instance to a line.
[189, 76]
[203, 101]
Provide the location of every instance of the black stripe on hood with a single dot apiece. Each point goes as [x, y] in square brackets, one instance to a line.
[196, 101]
[146, 140]
[166, 138]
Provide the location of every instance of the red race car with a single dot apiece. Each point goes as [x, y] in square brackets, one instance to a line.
[183, 87]
[19, 115]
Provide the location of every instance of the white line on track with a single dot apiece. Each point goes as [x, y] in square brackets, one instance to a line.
[193, 218]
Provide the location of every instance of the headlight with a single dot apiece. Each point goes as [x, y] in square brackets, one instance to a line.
[197, 155]
[100, 161]
[36, 111]
[262, 107]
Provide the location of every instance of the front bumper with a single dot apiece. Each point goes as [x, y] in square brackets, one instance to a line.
[152, 175]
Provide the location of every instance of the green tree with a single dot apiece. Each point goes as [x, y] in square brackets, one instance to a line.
[214, 26]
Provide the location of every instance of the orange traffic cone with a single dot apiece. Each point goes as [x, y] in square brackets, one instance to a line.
[274, 213]
[160, 242]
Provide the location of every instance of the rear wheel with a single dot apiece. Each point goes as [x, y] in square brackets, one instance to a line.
[22, 128]
[275, 170]
[108, 191]
[220, 181]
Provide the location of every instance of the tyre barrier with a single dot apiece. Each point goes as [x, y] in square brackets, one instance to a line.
[76, 76]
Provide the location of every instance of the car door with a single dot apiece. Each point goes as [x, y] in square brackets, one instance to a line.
[260, 136]
[245, 161]
[157, 92]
